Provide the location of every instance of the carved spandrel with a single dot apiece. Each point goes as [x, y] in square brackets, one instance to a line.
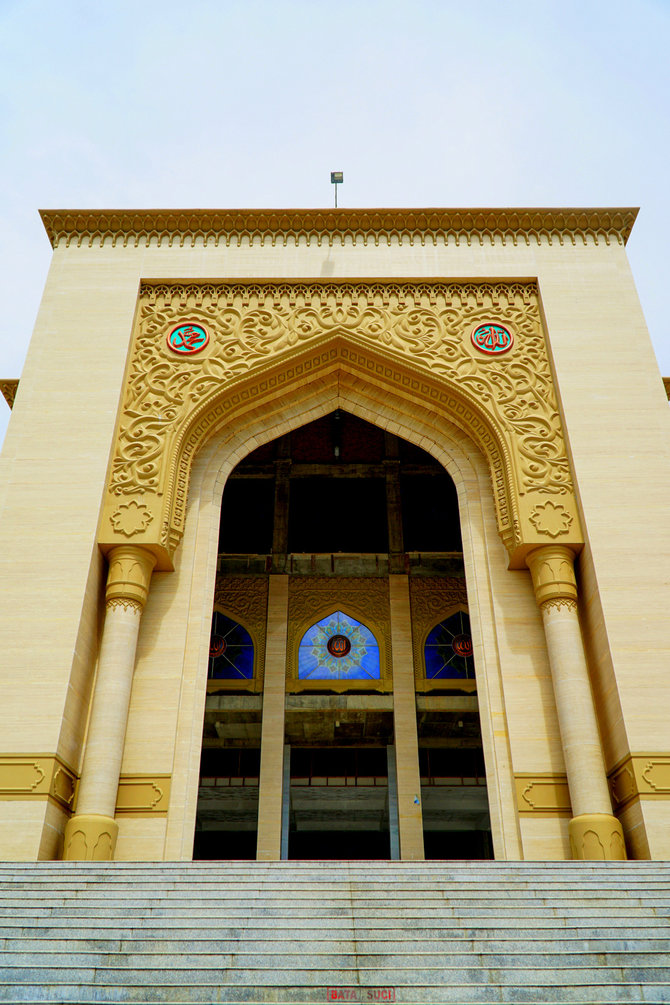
[429, 324]
[507, 404]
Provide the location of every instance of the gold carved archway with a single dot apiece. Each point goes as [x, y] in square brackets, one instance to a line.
[269, 339]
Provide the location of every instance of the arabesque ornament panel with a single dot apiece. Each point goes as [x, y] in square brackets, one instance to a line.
[242, 329]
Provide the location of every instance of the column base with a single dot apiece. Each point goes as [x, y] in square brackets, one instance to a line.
[596, 837]
[90, 838]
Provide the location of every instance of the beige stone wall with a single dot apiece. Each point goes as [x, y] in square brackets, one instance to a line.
[53, 472]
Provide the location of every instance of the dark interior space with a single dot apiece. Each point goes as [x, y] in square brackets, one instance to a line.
[227, 813]
[339, 805]
[338, 514]
[339, 485]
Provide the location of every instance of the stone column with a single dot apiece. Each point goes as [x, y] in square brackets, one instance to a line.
[91, 833]
[270, 783]
[594, 832]
[410, 819]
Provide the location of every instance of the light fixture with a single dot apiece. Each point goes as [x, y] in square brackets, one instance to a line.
[336, 178]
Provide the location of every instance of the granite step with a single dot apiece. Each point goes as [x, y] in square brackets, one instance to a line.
[251, 933]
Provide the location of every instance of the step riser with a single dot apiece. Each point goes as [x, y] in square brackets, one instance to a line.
[285, 932]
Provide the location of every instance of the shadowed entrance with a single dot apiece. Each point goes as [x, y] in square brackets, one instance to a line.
[337, 506]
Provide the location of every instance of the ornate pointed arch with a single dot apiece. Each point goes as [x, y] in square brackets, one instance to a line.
[315, 598]
[268, 342]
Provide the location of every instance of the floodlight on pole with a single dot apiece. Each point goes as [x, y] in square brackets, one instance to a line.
[336, 178]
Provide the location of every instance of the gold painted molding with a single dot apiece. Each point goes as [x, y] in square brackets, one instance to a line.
[543, 793]
[143, 794]
[37, 776]
[268, 336]
[329, 226]
[643, 776]
[8, 389]
[46, 776]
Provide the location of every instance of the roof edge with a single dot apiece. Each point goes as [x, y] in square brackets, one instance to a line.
[280, 226]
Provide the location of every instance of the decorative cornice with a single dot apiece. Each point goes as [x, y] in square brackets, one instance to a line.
[8, 390]
[234, 227]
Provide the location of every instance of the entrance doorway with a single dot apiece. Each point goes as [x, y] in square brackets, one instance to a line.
[337, 507]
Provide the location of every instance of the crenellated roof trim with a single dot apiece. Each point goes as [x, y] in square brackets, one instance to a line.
[237, 227]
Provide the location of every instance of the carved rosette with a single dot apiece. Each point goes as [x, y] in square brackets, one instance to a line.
[173, 402]
[313, 597]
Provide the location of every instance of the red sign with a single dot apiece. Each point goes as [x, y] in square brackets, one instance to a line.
[360, 994]
[492, 339]
[187, 338]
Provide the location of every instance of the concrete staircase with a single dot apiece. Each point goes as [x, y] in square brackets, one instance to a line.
[369, 931]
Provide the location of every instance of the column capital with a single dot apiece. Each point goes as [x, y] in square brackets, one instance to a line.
[553, 572]
[129, 575]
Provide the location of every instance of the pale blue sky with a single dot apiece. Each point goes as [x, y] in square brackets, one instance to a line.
[253, 103]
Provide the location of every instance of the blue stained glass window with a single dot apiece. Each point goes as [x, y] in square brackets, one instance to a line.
[338, 648]
[231, 650]
[448, 649]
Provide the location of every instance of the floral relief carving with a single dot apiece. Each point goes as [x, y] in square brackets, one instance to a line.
[131, 518]
[551, 518]
[253, 325]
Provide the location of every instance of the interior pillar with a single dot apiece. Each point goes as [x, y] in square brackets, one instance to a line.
[271, 779]
[410, 820]
[91, 833]
[594, 832]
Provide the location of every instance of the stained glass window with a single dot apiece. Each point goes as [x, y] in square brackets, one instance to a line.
[231, 650]
[338, 648]
[448, 649]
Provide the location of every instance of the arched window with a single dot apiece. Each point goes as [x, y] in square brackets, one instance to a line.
[338, 648]
[231, 650]
[448, 649]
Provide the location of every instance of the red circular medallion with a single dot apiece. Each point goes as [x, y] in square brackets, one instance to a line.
[462, 645]
[217, 646]
[338, 645]
[492, 339]
[187, 338]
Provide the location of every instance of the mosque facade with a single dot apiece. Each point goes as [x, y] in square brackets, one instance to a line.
[336, 534]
